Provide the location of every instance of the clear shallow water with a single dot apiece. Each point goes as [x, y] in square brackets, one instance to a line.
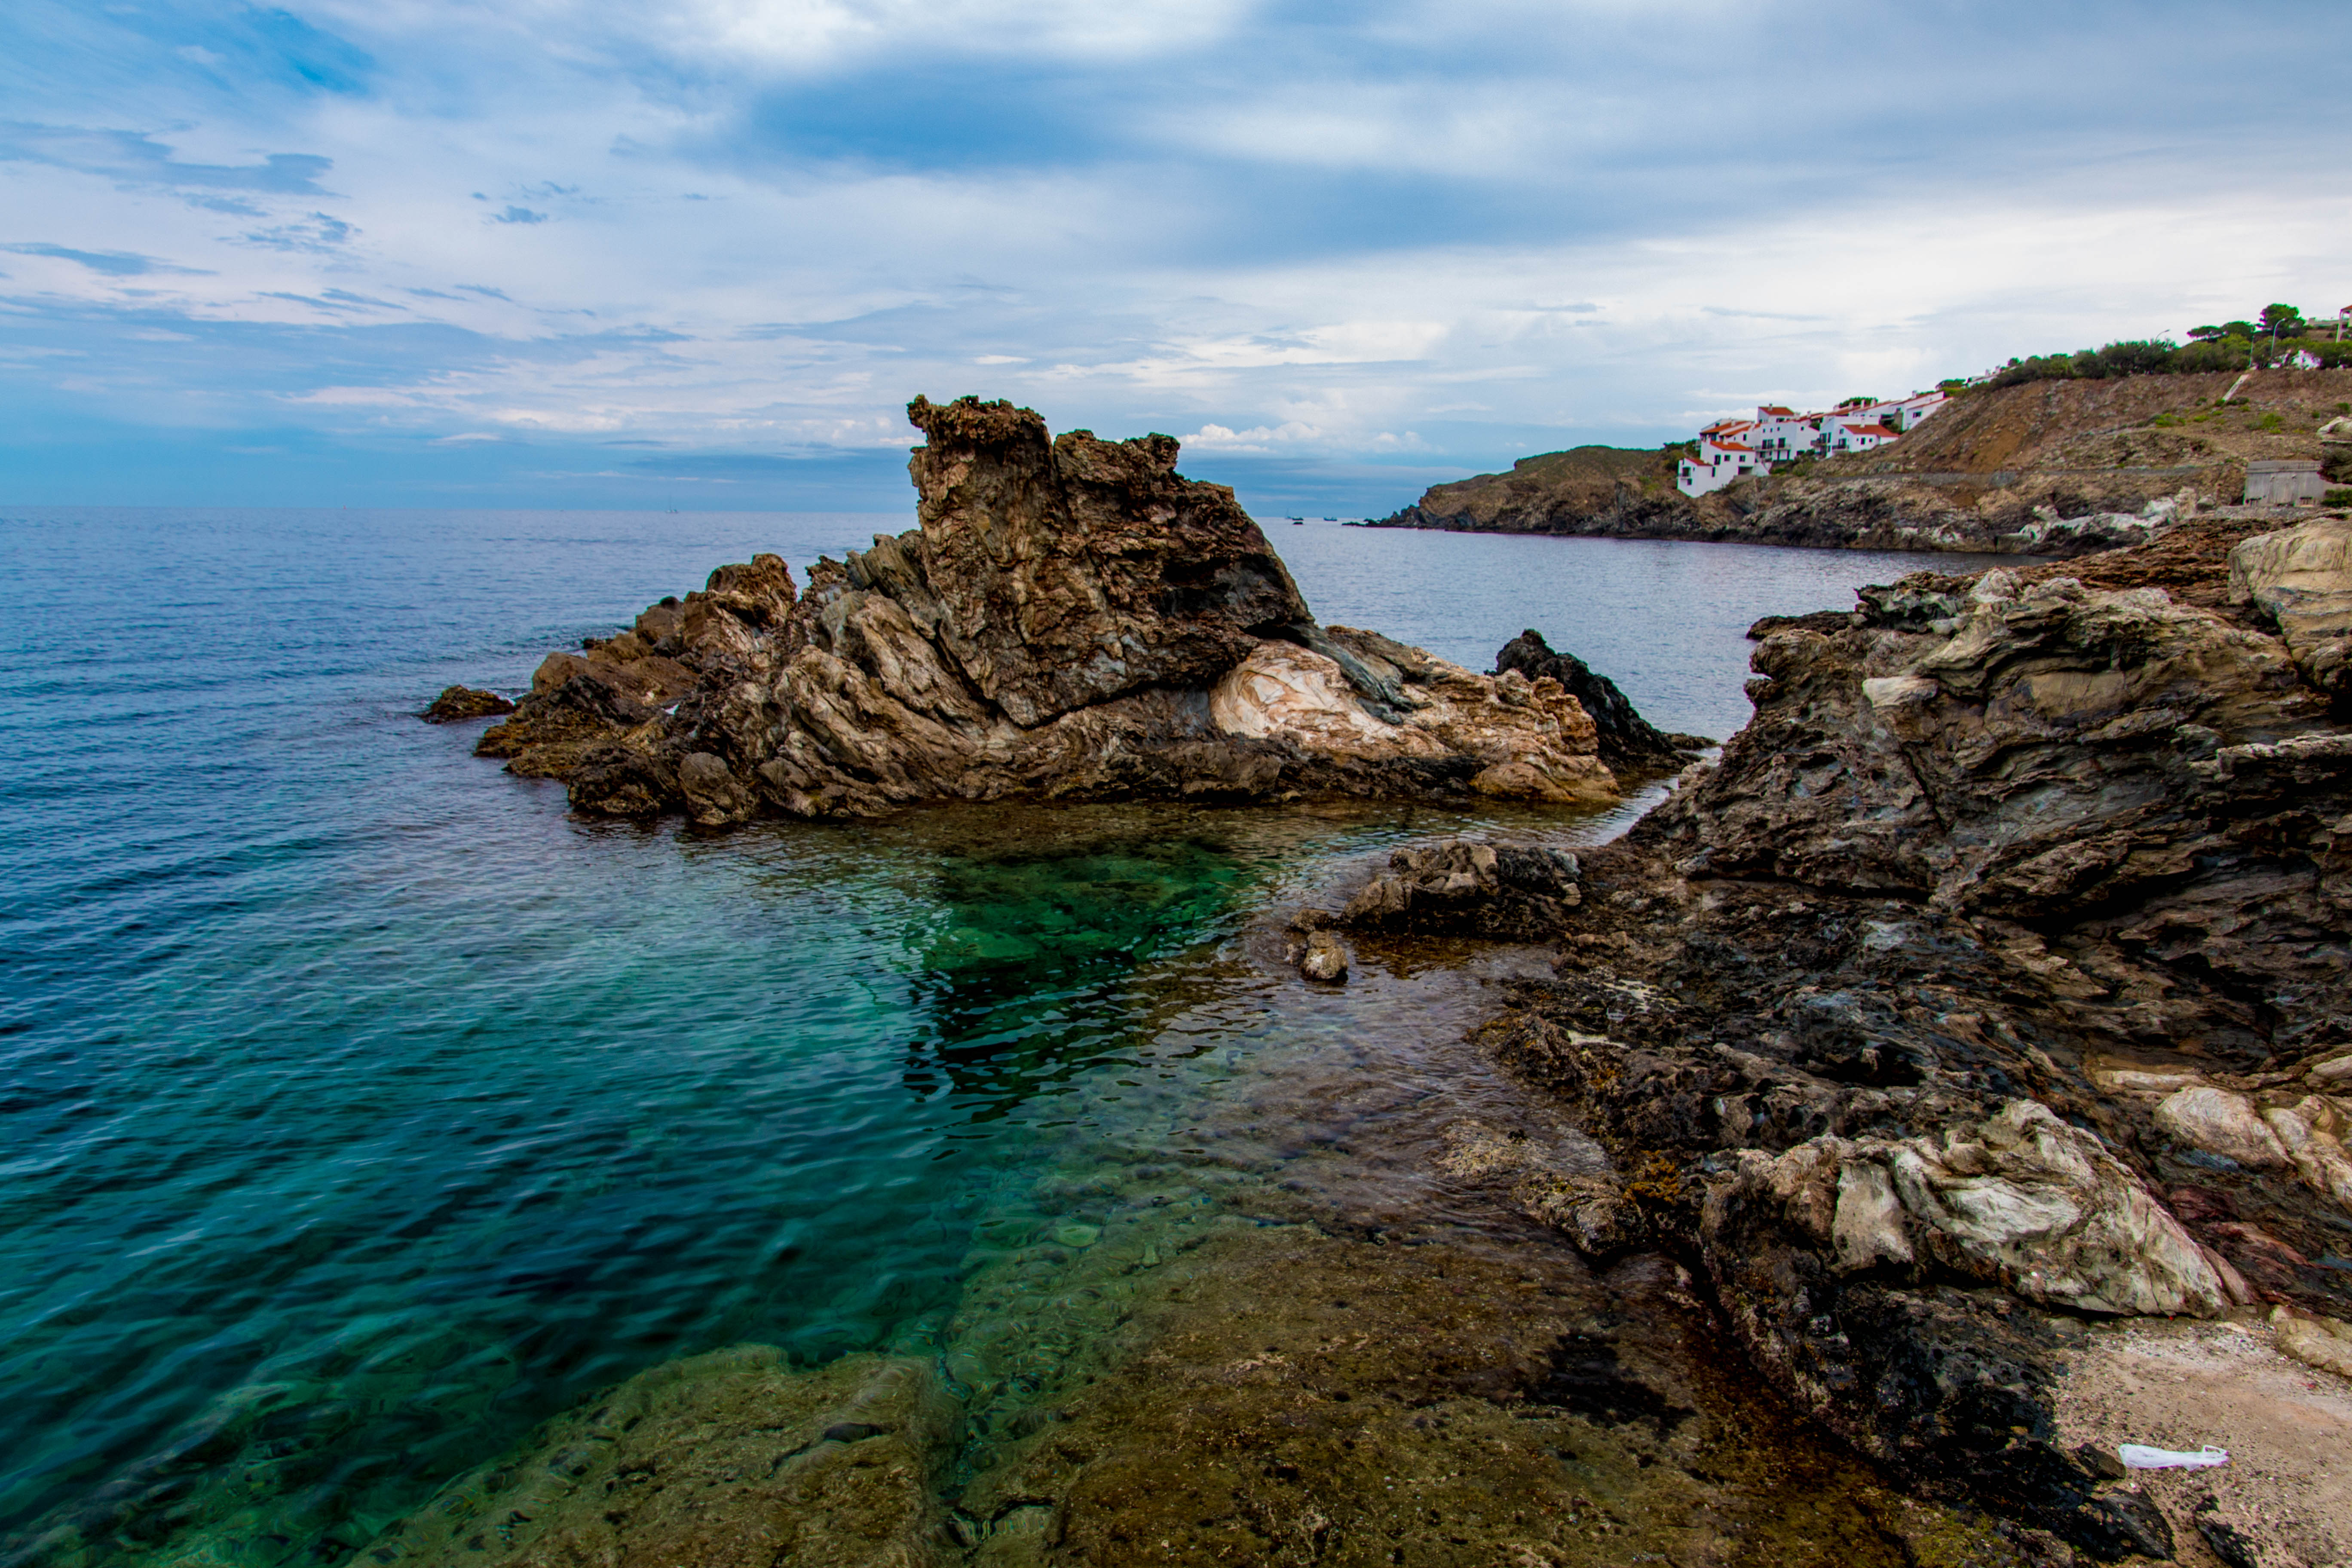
[359, 1109]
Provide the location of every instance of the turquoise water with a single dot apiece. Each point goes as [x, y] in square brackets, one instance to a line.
[359, 1108]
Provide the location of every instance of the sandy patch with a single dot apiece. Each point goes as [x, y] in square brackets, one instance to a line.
[2288, 1488]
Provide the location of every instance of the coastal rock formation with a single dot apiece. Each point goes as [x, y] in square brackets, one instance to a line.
[2049, 468]
[1991, 983]
[457, 703]
[2300, 579]
[1070, 619]
[1626, 739]
[1463, 887]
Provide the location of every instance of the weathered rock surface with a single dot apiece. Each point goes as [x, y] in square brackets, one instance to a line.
[2322, 1342]
[1626, 739]
[1071, 620]
[1465, 887]
[1322, 956]
[1990, 982]
[729, 1459]
[458, 703]
[2300, 578]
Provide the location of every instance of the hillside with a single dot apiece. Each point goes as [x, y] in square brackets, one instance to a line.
[1990, 471]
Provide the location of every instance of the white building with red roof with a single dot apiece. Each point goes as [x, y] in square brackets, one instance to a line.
[1733, 450]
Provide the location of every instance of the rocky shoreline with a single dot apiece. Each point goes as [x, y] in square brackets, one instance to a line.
[1985, 997]
[1990, 989]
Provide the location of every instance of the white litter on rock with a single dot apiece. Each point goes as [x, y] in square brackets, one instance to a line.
[2139, 1457]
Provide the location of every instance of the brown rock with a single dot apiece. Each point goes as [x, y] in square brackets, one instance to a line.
[2302, 579]
[458, 703]
[729, 1459]
[1464, 886]
[1323, 958]
[1072, 619]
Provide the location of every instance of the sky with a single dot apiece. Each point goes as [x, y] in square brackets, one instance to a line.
[700, 253]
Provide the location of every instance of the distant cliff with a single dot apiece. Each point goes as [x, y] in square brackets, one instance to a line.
[2047, 468]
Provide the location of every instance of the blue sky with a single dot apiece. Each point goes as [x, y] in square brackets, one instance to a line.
[701, 253]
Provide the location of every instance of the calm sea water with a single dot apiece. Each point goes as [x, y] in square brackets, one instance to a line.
[358, 1108]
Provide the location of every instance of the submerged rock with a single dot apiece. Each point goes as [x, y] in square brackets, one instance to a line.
[1463, 886]
[457, 703]
[730, 1457]
[1071, 620]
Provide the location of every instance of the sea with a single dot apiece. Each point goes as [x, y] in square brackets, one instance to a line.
[361, 1108]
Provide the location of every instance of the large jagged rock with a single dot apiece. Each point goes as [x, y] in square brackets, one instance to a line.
[458, 703]
[1627, 739]
[1071, 618]
[2020, 1200]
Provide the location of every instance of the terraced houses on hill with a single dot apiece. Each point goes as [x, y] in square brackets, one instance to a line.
[1733, 450]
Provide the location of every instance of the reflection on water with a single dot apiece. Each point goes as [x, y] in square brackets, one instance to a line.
[1022, 970]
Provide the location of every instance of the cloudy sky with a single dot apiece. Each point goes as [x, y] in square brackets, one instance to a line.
[701, 252]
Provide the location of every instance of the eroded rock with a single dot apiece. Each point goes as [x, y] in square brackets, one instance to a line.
[2220, 1122]
[2020, 1200]
[1626, 739]
[458, 703]
[1991, 979]
[2302, 579]
[1466, 886]
[1323, 957]
[1071, 620]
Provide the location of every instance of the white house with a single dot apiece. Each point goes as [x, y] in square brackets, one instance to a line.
[1847, 434]
[1736, 449]
[1724, 454]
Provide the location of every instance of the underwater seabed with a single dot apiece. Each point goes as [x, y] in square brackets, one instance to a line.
[1237, 1278]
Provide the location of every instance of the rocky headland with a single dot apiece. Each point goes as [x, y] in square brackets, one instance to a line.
[1989, 995]
[1071, 620]
[2047, 468]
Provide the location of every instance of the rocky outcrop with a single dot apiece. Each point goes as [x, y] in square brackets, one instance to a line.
[1626, 739]
[1465, 887]
[2052, 469]
[457, 703]
[1071, 620]
[2300, 580]
[1991, 983]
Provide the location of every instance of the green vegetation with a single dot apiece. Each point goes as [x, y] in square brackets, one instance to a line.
[2340, 496]
[2282, 334]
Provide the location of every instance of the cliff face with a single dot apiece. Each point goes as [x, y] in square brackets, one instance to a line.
[1071, 620]
[2054, 467]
